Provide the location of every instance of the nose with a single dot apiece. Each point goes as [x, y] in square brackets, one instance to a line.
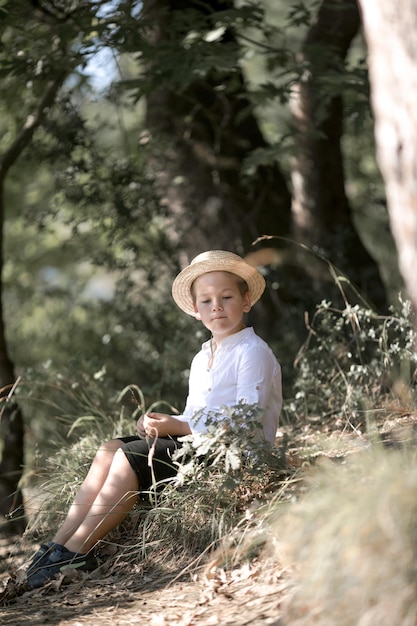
[217, 305]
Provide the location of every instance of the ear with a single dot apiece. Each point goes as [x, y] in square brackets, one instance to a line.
[247, 305]
[197, 314]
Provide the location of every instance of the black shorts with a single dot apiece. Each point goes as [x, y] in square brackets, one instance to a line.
[137, 453]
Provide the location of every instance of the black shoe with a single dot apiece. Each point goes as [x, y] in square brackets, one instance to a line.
[40, 556]
[57, 561]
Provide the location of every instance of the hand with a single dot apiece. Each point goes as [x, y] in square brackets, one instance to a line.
[162, 425]
[140, 427]
[156, 424]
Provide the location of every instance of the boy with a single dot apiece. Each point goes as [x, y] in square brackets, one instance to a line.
[235, 365]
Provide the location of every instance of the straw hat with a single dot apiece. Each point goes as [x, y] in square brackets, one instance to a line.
[215, 261]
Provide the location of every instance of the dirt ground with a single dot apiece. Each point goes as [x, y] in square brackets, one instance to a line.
[115, 595]
[249, 595]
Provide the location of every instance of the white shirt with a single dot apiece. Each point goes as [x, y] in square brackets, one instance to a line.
[244, 370]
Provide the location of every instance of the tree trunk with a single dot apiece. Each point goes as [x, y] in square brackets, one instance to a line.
[11, 419]
[12, 516]
[390, 31]
[322, 215]
[204, 134]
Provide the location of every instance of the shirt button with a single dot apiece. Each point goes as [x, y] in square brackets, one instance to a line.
[209, 389]
[257, 387]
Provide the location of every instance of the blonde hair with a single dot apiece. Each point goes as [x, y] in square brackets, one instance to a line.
[241, 284]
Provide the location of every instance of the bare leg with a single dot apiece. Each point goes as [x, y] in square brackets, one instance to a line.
[115, 499]
[89, 490]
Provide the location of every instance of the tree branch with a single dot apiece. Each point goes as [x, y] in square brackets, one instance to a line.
[33, 121]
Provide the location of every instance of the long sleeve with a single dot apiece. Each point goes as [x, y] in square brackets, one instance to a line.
[244, 369]
[259, 382]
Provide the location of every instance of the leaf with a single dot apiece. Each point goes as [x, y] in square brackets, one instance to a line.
[215, 35]
[233, 461]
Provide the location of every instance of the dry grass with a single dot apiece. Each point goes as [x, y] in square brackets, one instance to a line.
[352, 541]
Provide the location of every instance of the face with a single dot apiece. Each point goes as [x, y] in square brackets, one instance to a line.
[219, 304]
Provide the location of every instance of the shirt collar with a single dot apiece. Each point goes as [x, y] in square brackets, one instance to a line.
[231, 340]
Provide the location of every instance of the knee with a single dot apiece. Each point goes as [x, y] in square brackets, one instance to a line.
[122, 470]
[109, 447]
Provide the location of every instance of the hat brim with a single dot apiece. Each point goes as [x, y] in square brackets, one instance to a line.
[215, 261]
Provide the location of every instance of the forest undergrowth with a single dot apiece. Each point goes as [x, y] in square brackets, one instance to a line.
[318, 530]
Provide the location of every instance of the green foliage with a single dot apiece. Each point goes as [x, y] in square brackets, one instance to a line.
[93, 271]
[64, 407]
[352, 361]
[196, 41]
[232, 450]
[38, 43]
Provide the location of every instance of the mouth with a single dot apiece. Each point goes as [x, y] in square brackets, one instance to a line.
[218, 317]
